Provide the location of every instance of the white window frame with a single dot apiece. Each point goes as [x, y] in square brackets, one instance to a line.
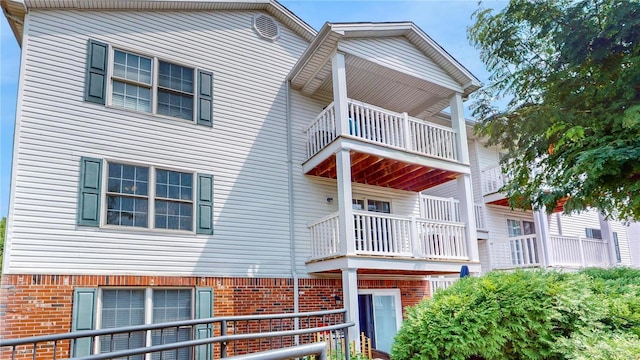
[151, 197]
[521, 222]
[616, 246]
[588, 232]
[148, 309]
[366, 199]
[155, 71]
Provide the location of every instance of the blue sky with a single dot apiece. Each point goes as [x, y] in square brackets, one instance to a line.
[444, 21]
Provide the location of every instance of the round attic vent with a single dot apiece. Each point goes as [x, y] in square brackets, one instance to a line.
[266, 27]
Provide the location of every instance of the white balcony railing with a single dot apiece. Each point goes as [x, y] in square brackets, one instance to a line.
[381, 126]
[448, 209]
[391, 235]
[566, 251]
[578, 252]
[481, 219]
[440, 283]
[514, 252]
[492, 180]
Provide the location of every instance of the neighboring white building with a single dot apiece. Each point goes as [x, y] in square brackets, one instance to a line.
[523, 238]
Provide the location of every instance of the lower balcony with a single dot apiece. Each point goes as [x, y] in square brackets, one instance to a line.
[420, 243]
[565, 252]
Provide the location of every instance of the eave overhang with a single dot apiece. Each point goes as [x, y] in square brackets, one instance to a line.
[312, 67]
[15, 10]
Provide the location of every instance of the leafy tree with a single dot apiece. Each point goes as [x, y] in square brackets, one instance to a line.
[533, 315]
[566, 74]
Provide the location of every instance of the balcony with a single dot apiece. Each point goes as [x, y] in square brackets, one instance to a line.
[448, 209]
[388, 149]
[388, 235]
[568, 251]
[565, 251]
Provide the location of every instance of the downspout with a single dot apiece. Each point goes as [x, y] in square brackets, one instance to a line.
[292, 238]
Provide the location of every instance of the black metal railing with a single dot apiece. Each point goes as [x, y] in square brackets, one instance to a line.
[217, 337]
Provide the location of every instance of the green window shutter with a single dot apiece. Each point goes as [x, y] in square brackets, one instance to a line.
[89, 194]
[205, 204]
[205, 98]
[95, 83]
[84, 303]
[204, 310]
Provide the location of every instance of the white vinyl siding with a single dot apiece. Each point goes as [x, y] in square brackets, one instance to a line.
[399, 54]
[245, 150]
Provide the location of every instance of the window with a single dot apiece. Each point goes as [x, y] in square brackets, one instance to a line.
[131, 81]
[593, 233]
[148, 84]
[128, 197]
[138, 196]
[132, 85]
[372, 205]
[110, 308]
[519, 228]
[175, 91]
[125, 307]
[616, 244]
[173, 204]
[127, 200]
[524, 249]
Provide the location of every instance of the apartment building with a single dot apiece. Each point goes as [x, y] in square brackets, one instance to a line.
[183, 159]
[187, 159]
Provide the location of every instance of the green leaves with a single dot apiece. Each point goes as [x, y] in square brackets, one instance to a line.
[571, 72]
[527, 315]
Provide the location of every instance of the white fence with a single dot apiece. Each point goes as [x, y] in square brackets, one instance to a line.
[448, 209]
[492, 180]
[515, 252]
[325, 239]
[391, 235]
[381, 126]
[440, 283]
[578, 252]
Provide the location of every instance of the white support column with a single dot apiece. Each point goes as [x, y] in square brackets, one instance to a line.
[345, 208]
[350, 295]
[467, 215]
[605, 230]
[541, 222]
[340, 93]
[460, 127]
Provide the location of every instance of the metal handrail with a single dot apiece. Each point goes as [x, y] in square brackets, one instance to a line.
[146, 327]
[212, 340]
[318, 349]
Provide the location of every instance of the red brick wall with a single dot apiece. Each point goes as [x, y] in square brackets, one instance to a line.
[33, 305]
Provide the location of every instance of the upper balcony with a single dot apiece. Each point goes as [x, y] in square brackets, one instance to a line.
[388, 148]
[386, 81]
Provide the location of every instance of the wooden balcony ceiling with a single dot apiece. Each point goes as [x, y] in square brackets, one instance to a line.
[505, 202]
[378, 171]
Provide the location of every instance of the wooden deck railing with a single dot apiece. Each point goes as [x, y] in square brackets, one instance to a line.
[391, 235]
[384, 127]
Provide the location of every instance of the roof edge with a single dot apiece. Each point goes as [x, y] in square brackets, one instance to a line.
[273, 7]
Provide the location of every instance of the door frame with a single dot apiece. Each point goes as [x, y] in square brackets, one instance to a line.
[393, 292]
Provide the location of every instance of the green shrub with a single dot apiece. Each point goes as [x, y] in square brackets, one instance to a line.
[526, 315]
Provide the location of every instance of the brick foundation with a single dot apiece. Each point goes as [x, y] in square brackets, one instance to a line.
[33, 305]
